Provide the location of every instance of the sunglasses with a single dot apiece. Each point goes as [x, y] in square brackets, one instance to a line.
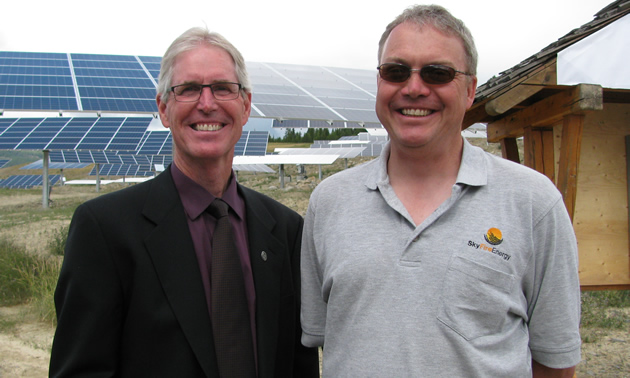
[431, 74]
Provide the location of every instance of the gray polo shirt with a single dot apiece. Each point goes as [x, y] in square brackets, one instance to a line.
[484, 284]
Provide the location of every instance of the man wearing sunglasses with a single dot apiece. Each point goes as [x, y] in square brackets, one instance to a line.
[138, 291]
[438, 259]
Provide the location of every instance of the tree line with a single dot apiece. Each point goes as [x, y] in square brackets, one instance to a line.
[311, 135]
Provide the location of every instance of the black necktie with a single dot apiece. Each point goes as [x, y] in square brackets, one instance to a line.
[230, 314]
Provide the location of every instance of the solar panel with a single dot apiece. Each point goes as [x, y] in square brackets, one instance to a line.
[286, 159]
[63, 133]
[156, 142]
[302, 123]
[39, 164]
[127, 84]
[252, 143]
[36, 81]
[122, 170]
[27, 181]
[155, 148]
[343, 152]
[252, 168]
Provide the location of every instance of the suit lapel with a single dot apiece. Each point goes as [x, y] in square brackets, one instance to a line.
[267, 271]
[172, 252]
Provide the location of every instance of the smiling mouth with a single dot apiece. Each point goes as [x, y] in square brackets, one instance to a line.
[207, 127]
[416, 112]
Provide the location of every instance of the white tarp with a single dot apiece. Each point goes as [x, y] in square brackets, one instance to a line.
[601, 58]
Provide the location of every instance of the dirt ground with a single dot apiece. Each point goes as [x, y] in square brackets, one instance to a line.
[25, 343]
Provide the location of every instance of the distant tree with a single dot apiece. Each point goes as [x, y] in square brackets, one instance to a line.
[311, 135]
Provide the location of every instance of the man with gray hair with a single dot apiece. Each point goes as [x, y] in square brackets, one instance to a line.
[189, 274]
[438, 259]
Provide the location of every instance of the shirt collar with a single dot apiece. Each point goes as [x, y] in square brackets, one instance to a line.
[196, 198]
[472, 169]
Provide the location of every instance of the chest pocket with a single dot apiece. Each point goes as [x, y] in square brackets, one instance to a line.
[475, 298]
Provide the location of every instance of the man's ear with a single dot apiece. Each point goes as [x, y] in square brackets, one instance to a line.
[162, 111]
[247, 102]
[470, 91]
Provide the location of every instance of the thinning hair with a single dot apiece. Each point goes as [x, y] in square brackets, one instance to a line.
[441, 19]
[189, 40]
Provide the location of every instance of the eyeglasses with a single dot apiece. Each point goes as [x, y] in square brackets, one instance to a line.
[220, 91]
[431, 74]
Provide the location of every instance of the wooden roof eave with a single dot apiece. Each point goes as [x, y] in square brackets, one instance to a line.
[512, 94]
[570, 100]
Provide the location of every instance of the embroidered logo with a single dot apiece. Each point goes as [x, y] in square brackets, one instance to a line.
[494, 236]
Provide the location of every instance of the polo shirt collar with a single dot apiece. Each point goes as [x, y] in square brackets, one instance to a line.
[473, 169]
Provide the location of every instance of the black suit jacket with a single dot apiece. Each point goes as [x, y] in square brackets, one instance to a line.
[130, 300]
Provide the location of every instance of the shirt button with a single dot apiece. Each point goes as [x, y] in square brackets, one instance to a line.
[263, 255]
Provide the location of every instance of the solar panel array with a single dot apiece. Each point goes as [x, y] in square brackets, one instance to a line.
[372, 145]
[68, 133]
[155, 147]
[101, 157]
[4, 162]
[336, 97]
[27, 181]
[39, 164]
[83, 82]
[122, 170]
[160, 142]
[342, 152]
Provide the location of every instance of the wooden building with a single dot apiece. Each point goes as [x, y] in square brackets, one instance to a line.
[575, 132]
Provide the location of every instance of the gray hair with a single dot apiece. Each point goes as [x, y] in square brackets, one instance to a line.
[189, 40]
[442, 20]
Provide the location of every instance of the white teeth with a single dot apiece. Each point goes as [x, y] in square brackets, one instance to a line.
[206, 127]
[416, 112]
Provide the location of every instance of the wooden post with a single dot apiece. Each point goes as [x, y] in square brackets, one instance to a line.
[509, 150]
[570, 148]
[539, 151]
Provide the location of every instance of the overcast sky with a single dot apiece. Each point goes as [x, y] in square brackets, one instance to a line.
[336, 33]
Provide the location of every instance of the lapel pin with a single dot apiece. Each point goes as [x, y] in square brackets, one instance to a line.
[263, 255]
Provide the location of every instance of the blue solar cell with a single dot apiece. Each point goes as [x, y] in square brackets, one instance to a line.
[291, 123]
[71, 157]
[38, 103]
[36, 90]
[148, 106]
[5, 123]
[78, 63]
[27, 181]
[150, 59]
[108, 73]
[35, 80]
[118, 93]
[119, 58]
[27, 70]
[34, 62]
[31, 55]
[54, 165]
[56, 157]
[115, 82]
[72, 134]
[154, 142]
[152, 66]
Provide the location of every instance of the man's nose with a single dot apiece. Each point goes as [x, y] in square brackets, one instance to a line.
[206, 99]
[415, 86]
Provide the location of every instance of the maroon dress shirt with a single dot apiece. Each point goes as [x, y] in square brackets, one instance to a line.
[201, 225]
